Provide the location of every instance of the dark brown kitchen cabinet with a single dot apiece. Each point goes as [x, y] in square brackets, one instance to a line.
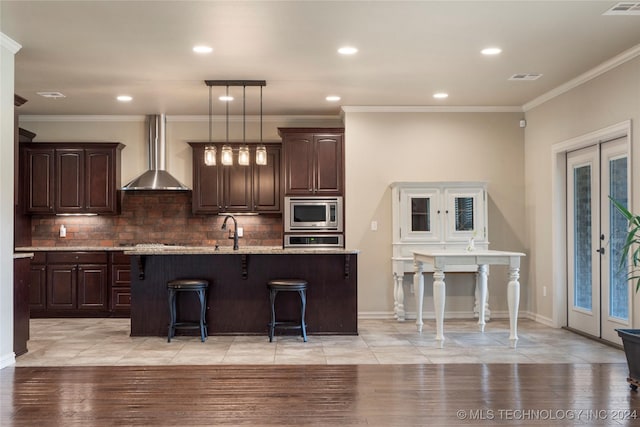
[20, 305]
[76, 285]
[120, 284]
[313, 161]
[71, 177]
[38, 283]
[236, 188]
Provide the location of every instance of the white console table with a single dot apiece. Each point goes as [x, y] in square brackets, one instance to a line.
[482, 258]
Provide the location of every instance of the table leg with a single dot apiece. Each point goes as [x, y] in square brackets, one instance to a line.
[513, 299]
[418, 287]
[482, 290]
[398, 296]
[438, 302]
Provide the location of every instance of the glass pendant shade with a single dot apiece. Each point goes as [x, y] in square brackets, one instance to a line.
[261, 155]
[227, 155]
[243, 156]
[210, 155]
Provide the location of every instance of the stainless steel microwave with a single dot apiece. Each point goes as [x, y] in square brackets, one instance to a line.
[313, 214]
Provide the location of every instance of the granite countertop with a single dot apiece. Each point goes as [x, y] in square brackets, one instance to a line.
[23, 255]
[191, 250]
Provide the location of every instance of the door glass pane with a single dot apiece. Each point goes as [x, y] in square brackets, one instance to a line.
[582, 237]
[464, 213]
[420, 220]
[618, 286]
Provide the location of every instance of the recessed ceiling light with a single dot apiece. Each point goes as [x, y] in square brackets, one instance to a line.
[124, 98]
[440, 95]
[491, 51]
[226, 98]
[332, 98]
[347, 50]
[202, 49]
[51, 94]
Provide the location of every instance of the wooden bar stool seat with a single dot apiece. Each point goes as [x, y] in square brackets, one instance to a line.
[287, 285]
[199, 286]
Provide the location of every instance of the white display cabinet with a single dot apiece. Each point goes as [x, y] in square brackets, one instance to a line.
[435, 216]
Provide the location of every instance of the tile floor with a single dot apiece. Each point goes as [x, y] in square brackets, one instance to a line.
[75, 342]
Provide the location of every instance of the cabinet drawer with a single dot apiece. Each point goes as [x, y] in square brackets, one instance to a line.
[120, 299]
[39, 258]
[77, 257]
[120, 258]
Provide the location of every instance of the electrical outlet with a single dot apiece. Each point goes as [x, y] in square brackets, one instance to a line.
[544, 291]
[374, 225]
[63, 231]
[240, 231]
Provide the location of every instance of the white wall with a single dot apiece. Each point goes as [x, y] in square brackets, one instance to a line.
[8, 49]
[385, 147]
[604, 101]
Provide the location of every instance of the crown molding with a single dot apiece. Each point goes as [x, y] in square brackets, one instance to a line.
[604, 67]
[9, 44]
[80, 118]
[429, 109]
[173, 118]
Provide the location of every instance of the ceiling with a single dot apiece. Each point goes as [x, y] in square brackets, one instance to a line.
[91, 51]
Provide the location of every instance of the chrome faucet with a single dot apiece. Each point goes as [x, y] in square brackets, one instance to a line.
[235, 230]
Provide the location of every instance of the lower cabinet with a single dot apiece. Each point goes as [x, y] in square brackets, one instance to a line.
[79, 284]
[120, 284]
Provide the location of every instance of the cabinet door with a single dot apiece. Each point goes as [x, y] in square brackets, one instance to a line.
[266, 183]
[100, 189]
[38, 178]
[69, 181]
[237, 191]
[37, 287]
[328, 168]
[120, 300]
[92, 287]
[207, 188]
[61, 287]
[298, 167]
[420, 215]
[465, 214]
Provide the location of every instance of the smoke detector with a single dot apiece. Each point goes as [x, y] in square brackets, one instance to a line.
[625, 8]
[525, 76]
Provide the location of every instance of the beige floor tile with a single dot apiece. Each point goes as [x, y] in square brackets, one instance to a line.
[69, 342]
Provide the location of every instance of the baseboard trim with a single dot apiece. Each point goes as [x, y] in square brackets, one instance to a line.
[7, 360]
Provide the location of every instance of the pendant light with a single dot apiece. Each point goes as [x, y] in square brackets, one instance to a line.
[210, 150]
[227, 152]
[261, 150]
[243, 152]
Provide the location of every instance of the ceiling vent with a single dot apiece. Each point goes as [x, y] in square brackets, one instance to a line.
[51, 94]
[525, 76]
[625, 8]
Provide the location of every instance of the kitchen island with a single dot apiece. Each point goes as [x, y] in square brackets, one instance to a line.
[237, 299]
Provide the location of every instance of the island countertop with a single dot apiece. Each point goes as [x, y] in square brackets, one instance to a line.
[190, 250]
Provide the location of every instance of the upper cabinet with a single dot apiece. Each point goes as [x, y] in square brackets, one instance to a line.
[313, 161]
[236, 188]
[448, 215]
[70, 177]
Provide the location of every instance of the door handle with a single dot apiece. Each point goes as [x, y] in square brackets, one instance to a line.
[600, 251]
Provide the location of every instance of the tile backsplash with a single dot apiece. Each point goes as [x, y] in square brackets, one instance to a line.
[154, 217]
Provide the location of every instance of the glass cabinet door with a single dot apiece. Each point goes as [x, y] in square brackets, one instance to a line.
[464, 214]
[419, 212]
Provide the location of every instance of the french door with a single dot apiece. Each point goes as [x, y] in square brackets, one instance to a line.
[599, 297]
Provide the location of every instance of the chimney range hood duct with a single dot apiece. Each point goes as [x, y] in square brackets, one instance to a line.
[156, 178]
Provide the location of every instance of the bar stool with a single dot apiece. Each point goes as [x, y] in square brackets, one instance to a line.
[187, 285]
[287, 285]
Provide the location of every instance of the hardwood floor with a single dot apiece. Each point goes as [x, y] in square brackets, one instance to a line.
[345, 395]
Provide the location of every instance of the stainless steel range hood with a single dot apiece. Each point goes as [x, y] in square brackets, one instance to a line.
[156, 178]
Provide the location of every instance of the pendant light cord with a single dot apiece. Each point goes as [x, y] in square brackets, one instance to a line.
[260, 113]
[210, 114]
[227, 113]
